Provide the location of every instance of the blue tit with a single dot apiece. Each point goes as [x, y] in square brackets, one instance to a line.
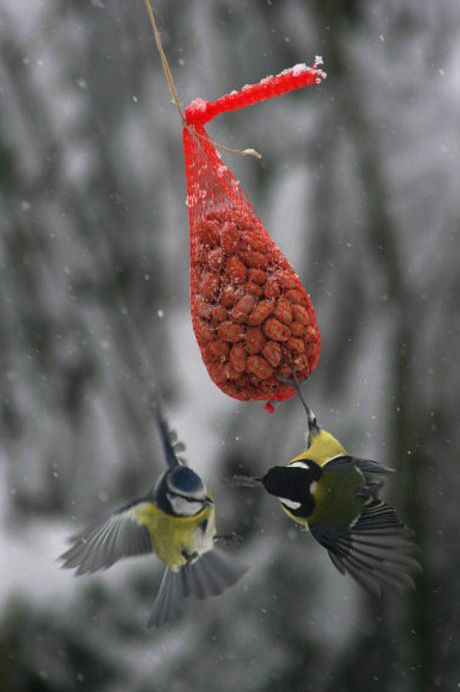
[335, 496]
[175, 520]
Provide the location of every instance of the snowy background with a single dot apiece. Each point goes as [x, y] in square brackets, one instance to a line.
[359, 186]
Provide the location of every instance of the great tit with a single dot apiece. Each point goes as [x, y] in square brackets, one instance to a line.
[175, 520]
[335, 496]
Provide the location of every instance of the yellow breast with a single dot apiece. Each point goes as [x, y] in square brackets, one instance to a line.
[177, 540]
[299, 520]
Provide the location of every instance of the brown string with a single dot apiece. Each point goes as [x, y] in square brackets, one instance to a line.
[175, 96]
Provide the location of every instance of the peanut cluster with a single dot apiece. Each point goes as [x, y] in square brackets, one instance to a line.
[253, 320]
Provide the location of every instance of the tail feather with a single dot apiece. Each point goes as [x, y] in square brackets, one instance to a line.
[211, 575]
[168, 600]
[197, 581]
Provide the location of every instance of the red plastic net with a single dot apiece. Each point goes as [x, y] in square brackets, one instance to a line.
[253, 320]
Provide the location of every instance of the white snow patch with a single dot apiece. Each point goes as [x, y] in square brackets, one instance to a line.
[299, 69]
[199, 104]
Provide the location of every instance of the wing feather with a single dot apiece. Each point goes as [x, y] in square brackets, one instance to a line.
[373, 468]
[169, 438]
[103, 543]
[377, 549]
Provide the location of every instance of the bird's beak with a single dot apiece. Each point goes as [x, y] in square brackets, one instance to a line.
[246, 482]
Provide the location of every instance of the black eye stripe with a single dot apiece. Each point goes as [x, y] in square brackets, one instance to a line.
[189, 498]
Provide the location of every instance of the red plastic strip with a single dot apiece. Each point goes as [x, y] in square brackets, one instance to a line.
[200, 111]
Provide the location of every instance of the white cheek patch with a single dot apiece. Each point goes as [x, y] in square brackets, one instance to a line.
[300, 465]
[184, 507]
[290, 504]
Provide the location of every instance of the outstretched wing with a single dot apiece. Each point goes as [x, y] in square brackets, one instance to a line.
[212, 574]
[377, 550]
[372, 470]
[102, 544]
[169, 439]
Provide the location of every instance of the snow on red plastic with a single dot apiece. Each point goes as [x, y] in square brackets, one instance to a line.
[253, 320]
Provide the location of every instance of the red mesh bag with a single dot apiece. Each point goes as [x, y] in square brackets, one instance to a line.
[252, 318]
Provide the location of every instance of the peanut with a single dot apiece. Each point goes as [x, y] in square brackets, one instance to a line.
[202, 308]
[283, 311]
[205, 332]
[208, 232]
[276, 330]
[259, 367]
[218, 314]
[272, 288]
[228, 296]
[229, 372]
[254, 289]
[236, 271]
[254, 340]
[237, 358]
[255, 259]
[287, 279]
[209, 286]
[242, 308]
[300, 314]
[296, 345]
[258, 276]
[230, 331]
[217, 350]
[295, 296]
[297, 329]
[272, 352]
[310, 334]
[215, 372]
[215, 259]
[229, 238]
[260, 313]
